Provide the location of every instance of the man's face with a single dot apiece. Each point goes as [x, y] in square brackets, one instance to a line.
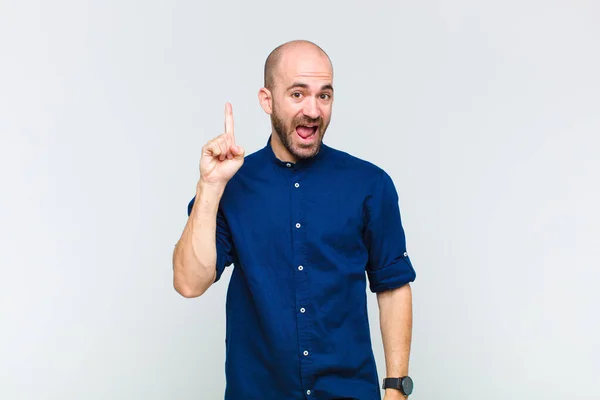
[302, 102]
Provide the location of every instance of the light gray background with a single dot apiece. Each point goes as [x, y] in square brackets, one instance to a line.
[486, 114]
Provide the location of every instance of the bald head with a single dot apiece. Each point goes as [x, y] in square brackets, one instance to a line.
[294, 47]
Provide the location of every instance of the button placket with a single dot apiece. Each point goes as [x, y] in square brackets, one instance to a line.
[302, 285]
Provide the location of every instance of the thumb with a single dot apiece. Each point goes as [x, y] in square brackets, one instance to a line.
[237, 151]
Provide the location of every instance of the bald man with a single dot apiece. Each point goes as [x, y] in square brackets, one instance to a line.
[306, 227]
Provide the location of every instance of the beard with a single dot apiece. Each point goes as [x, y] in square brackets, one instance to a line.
[287, 133]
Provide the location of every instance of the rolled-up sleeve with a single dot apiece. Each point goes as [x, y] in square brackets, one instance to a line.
[224, 243]
[389, 264]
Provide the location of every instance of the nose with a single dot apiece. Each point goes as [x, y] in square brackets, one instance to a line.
[311, 108]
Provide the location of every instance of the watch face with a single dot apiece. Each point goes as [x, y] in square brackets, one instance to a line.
[407, 385]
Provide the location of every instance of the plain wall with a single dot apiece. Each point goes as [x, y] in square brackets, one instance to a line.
[486, 115]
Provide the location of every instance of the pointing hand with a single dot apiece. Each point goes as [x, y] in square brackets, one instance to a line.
[221, 157]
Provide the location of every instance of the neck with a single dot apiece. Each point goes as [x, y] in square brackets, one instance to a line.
[279, 149]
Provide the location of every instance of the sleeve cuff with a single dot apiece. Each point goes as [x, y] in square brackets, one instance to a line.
[392, 276]
[221, 262]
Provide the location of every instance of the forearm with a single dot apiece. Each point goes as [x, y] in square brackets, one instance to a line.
[395, 315]
[195, 255]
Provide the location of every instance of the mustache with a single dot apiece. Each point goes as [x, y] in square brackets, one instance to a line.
[309, 121]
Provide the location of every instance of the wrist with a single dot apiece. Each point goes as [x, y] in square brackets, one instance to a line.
[208, 196]
[394, 394]
[210, 189]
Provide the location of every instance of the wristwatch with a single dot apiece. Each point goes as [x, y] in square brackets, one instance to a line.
[403, 384]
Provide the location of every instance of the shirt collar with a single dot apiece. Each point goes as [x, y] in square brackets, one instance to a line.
[300, 163]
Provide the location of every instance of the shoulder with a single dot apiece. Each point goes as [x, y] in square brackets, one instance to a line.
[356, 166]
[254, 158]
[253, 164]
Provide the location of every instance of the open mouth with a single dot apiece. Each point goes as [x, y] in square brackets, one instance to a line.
[306, 131]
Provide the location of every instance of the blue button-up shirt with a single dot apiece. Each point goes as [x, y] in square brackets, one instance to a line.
[303, 238]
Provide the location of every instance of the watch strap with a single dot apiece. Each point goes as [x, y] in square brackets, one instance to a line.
[404, 384]
[392, 383]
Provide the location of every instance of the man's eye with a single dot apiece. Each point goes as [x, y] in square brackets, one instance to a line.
[296, 95]
[325, 96]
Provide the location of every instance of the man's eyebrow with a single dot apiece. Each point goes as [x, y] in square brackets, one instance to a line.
[305, 86]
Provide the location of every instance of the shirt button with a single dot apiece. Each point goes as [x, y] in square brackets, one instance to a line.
[405, 254]
[297, 184]
[308, 392]
[305, 353]
[302, 310]
[300, 267]
[288, 165]
[298, 225]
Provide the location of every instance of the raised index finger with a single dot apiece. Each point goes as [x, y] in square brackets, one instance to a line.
[228, 119]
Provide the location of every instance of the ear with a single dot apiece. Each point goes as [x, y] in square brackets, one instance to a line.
[265, 99]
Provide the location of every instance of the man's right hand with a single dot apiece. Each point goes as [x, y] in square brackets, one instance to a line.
[221, 157]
